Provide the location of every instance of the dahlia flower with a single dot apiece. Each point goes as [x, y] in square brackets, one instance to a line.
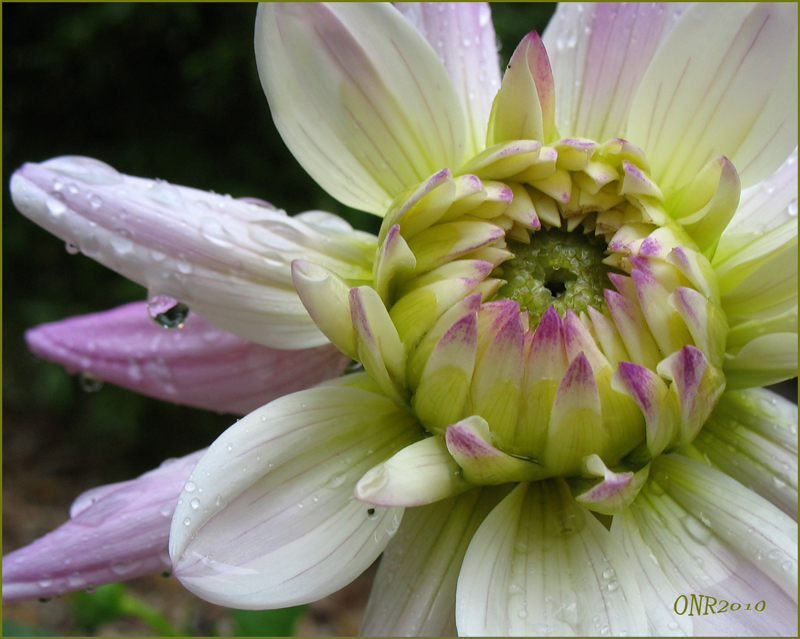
[583, 274]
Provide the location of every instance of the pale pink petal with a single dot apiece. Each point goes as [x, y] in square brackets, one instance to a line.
[117, 532]
[267, 518]
[198, 365]
[463, 37]
[733, 546]
[415, 589]
[228, 260]
[599, 53]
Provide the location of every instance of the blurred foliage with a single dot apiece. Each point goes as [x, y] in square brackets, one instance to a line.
[270, 623]
[157, 90]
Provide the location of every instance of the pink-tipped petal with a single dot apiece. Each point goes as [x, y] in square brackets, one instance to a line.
[463, 37]
[120, 535]
[198, 365]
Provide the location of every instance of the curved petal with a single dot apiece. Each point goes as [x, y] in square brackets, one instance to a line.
[268, 519]
[599, 53]
[115, 532]
[763, 207]
[752, 526]
[768, 359]
[359, 97]
[752, 436]
[541, 564]
[198, 365]
[462, 34]
[228, 260]
[693, 557]
[705, 91]
[414, 593]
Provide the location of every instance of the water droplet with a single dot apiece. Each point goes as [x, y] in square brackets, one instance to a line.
[75, 580]
[608, 573]
[218, 500]
[793, 208]
[353, 367]
[522, 614]
[604, 630]
[95, 202]
[673, 625]
[125, 568]
[89, 383]
[337, 481]
[787, 566]
[56, 207]
[195, 503]
[167, 312]
[775, 554]
[121, 241]
[45, 583]
[230, 447]
[613, 586]
[778, 482]
[187, 521]
[372, 513]
[300, 505]
[164, 193]
[190, 486]
[72, 249]
[166, 510]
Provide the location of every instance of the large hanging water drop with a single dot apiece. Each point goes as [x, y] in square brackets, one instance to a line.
[166, 311]
[89, 383]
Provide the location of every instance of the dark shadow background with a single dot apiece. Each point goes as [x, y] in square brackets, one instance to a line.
[155, 90]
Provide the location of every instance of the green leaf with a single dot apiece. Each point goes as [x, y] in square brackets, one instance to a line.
[270, 623]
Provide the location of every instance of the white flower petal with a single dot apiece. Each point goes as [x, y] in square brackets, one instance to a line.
[599, 53]
[359, 97]
[267, 519]
[696, 560]
[542, 565]
[752, 436]
[414, 593]
[764, 206]
[706, 89]
[228, 260]
[752, 526]
[462, 34]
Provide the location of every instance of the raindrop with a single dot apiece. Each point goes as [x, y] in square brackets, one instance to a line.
[372, 513]
[218, 500]
[673, 625]
[121, 241]
[230, 447]
[45, 583]
[190, 486]
[73, 189]
[607, 574]
[166, 510]
[134, 372]
[775, 554]
[195, 503]
[125, 568]
[89, 383]
[95, 202]
[187, 521]
[56, 207]
[337, 481]
[214, 232]
[522, 614]
[613, 586]
[167, 312]
[787, 566]
[72, 249]
[183, 267]
[164, 193]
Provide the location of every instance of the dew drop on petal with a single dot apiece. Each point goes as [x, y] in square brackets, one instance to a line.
[56, 207]
[187, 521]
[72, 249]
[166, 311]
[89, 383]
[166, 510]
[164, 193]
[673, 625]
[190, 486]
[121, 241]
[195, 503]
